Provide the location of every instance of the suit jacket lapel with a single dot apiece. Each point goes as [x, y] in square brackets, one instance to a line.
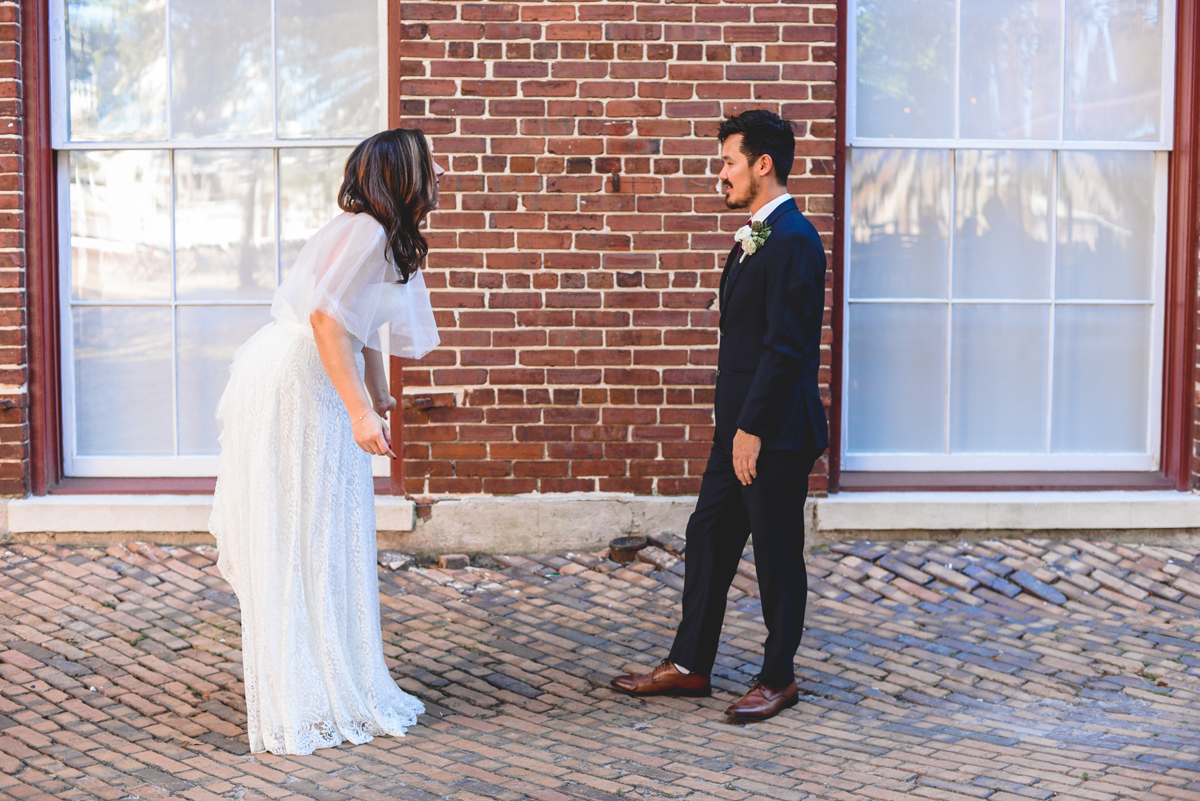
[733, 269]
[729, 262]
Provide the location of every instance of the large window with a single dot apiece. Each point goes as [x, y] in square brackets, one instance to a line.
[1006, 226]
[199, 144]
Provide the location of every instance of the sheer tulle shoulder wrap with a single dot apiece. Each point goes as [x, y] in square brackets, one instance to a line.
[342, 271]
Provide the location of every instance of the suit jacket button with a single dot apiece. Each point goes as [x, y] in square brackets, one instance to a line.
[718, 371]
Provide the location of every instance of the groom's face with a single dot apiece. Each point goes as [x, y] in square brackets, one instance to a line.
[738, 183]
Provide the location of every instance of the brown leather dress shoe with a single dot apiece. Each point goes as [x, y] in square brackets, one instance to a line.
[764, 702]
[664, 680]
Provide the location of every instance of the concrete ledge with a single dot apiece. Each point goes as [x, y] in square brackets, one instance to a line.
[62, 515]
[1007, 511]
[102, 513]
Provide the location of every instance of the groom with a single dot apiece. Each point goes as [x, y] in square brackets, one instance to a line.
[770, 426]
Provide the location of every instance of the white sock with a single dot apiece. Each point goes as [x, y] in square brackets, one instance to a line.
[681, 668]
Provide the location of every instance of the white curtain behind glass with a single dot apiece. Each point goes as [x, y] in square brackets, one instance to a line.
[1000, 300]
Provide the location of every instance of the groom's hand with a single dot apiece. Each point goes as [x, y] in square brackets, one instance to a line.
[745, 456]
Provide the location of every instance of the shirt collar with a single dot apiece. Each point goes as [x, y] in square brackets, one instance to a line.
[765, 212]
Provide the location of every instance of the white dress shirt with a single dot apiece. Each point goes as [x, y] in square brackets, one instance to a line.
[765, 212]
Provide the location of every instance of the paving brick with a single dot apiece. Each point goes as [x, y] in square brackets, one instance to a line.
[941, 688]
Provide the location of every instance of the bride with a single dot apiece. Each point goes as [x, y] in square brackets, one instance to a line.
[294, 510]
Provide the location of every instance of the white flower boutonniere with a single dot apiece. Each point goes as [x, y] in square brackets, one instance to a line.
[752, 237]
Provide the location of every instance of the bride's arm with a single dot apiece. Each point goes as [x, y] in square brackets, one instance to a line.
[337, 355]
[377, 382]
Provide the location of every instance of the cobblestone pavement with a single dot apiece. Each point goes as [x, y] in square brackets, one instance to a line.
[1003, 670]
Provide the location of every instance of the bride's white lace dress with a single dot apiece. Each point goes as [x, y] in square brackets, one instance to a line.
[294, 510]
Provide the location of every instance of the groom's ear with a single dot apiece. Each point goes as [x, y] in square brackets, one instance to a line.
[764, 166]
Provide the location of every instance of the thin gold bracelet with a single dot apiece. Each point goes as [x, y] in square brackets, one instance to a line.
[361, 416]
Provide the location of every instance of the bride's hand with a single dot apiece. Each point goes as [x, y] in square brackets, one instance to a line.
[372, 435]
[384, 405]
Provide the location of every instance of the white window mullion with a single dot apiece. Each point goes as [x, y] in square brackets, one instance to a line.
[278, 218]
[847, 243]
[1005, 144]
[174, 311]
[851, 87]
[957, 93]
[274, 71]
[950, 282]
[1168, 75]
[1053, 298]
[1062, 71]
[60, 117]
[175, 376]
[385, 79]
[66, 314]
[170, 93]
[210, 144]
[1158, 308]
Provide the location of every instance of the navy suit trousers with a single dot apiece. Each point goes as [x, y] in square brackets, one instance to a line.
[727, 513]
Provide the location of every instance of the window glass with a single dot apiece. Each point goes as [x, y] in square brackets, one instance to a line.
[207, 338]
[1003, 223]
[1101, 366]
[999, 356]
[899, 223]
[123, 370]
[1105, 224]
[904, 68]
[897, 377]
[309, 180]
[117, 69]
[221, 71]
[1009, 87]
[120, 224]
[225, 224]
[328, 67]
[1113, 80]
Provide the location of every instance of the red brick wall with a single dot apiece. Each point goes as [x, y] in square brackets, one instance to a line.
[578, 246]
[14, 421]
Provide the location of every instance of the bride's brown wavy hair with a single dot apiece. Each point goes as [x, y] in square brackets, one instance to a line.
[390, 176]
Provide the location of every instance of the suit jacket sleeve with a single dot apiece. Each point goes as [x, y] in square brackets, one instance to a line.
[795, 295]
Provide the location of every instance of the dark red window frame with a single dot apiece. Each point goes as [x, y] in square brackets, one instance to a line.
[1179, 351]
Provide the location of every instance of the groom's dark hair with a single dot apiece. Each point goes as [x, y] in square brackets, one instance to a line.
[763, 134]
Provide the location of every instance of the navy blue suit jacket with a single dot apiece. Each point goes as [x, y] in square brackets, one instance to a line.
[772, 305]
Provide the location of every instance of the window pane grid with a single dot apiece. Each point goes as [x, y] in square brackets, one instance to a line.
[859, 296]
[1104, 73]
[899, 60]
[224, 177]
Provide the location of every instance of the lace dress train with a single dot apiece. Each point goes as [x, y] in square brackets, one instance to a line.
[294, 519]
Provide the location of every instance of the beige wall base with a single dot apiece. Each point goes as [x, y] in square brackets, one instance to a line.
[579, 521]
[539, 523]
